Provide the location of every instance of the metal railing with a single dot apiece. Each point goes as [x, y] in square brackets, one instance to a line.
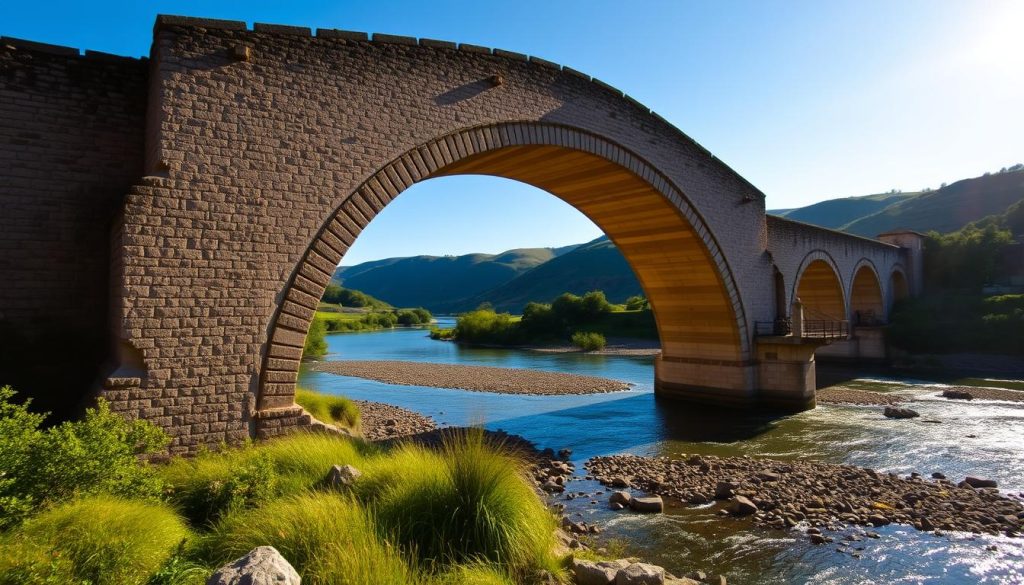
[814, 328]
[823, 329]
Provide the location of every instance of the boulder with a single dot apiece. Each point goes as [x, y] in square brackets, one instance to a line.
[640, 574]
[977, 482]
[262, 566]
[651, 505]
[900, 413]
[342, 476]
[596, 573]
[957, 394]
[724, 490]
[741, 506]
[620, 497]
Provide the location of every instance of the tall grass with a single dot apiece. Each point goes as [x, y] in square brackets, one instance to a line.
[474, 507]
[101, 540]
[327, 537]
[336, 410]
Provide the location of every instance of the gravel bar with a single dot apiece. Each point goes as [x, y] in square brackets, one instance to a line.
[381, 421]
[787, 493]
[474, 378]
[844, 395]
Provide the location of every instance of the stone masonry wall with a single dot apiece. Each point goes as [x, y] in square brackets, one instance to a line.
[265, 134]
[71, 145]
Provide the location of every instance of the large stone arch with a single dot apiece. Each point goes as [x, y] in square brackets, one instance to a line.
[819, 286]
[898, 286]
[866, 295]
[677, 259]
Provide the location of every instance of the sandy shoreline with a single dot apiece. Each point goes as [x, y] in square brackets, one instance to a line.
[473, 378]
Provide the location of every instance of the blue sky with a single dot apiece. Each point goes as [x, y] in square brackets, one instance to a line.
[808, 100]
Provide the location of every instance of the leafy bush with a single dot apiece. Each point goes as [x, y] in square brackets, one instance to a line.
[327, 537]
[99, 540]
[316, 344]
[637, 303]
[956, 322]
[588, 341]
[97, 455]
[442, 334]
[418, 316]
[485, 326]
[208, 486]
[329, 408]
[475, 506]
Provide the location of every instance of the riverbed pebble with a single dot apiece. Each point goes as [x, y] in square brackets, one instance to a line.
[818, 494]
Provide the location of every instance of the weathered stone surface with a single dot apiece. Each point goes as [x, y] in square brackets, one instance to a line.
[342, 476]
[621, 498]
[900, 413]
[978, 482]
[640, 574]
[596, 573]
[741, 506]
[261, 566]
[648, 504]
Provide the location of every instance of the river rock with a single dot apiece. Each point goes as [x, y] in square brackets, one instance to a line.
[741, 506]
[640, 574]
[342, 476]
[650, 505]
[724, 490]
[620, 497]
[977, 482]
[263, 565]
[957, 394]
[596, 573]
[900, 413]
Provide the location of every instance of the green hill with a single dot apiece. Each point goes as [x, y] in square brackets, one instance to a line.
[834, 213]
[596, 265]
[433, 281]
[947, 209]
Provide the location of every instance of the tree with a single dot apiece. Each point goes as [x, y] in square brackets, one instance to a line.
[636, 303]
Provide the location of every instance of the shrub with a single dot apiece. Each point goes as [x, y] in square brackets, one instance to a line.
[485, 326]
[96, 455]
[336, 410]
[210, 485]
[104, 540]
[636, 303]
[418, 316]
[316, 344]
[327, 538]
[588, 341]
[475, 506]
[472, 574]
[442, 334]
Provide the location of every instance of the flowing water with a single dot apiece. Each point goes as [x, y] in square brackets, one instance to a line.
[984, 438]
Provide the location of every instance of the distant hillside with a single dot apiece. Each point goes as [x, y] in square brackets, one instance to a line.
[835, 213]
[596, 265]
[946, 209]
[433, 281]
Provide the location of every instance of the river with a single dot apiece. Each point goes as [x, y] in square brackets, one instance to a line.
[984, 438]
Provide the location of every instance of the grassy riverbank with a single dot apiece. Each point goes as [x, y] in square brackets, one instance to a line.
[79, 506]
[334, 319]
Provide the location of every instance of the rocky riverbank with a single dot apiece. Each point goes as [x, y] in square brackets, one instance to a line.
[783, 494]
[380, 422]
[619, 346]
[981, 393]
[844, 395]
[474, 378]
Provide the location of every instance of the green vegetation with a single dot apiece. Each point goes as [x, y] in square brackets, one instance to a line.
[637, 303]
[100, 540]
[347, 297]
[964, 260]
[586, 319]
[588, 340]
[97, 455]
[316, 342]
[464, 513]
[945, 322]
[336, 410]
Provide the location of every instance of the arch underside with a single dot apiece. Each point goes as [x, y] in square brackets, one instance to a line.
[898, 285]
[866, 302]
[821, 293]
[696, 308]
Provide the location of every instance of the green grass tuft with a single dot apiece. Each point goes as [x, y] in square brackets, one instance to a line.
[335, 410]
[476, 506]
[100, 540]
[327, 537]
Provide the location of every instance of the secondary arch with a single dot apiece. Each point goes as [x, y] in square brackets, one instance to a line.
[695, 301]
[820, 289]
[867, 306]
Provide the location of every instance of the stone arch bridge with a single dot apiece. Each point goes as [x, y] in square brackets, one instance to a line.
[199, 200]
